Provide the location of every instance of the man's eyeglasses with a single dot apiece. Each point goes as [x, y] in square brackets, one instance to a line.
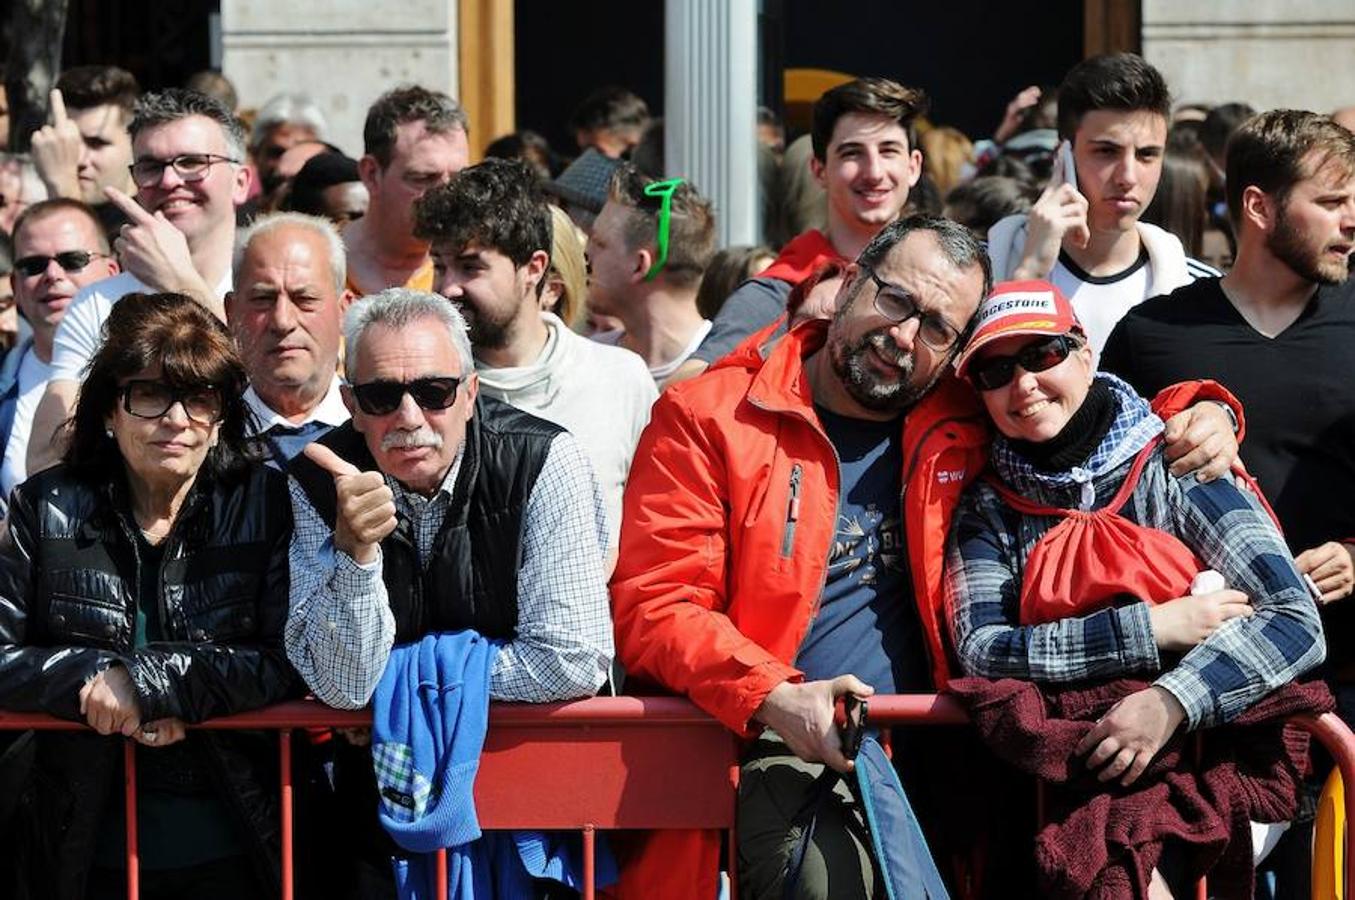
[998, 371]
[188, 166]
[381, 398]
[897, 305]
[69, 261]
[148, 399]
[663, 190]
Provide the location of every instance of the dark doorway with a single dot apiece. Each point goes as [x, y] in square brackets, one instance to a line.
[970, 57]
[161, 42]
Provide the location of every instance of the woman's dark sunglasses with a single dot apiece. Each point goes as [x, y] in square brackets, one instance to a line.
[149, 399]
[381, 398]
[997, 371]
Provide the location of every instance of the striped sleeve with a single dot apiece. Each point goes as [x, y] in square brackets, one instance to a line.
[1249, 657]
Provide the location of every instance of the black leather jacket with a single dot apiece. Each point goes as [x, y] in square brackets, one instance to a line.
[69, 578]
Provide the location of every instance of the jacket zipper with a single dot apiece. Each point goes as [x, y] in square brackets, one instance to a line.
[792, 511]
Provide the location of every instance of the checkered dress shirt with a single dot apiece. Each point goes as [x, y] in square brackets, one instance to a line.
[340, 629]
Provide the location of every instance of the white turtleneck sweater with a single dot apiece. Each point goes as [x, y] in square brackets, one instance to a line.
[601, 394]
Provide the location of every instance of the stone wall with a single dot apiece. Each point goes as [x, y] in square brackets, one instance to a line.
[1269, 53]
[344, 53]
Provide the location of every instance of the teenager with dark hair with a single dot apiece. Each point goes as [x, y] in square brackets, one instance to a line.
[1084, 233]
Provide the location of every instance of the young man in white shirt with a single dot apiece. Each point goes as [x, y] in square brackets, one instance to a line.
[1084, 233]
[490, 229]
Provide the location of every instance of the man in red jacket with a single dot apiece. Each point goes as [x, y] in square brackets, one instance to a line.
[782, 541]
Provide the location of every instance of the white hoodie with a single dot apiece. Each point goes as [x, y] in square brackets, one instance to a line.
[601, 394]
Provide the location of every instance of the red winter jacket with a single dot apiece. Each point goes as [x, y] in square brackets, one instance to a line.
[728, 520]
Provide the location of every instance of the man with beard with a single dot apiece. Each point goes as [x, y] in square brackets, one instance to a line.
[783, 536]
[1277, 330]
[490, 233]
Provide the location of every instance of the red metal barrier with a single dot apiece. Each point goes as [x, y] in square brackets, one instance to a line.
[602, 763]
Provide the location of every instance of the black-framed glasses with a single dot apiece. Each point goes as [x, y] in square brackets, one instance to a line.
[69, 261]
[381, 398]
[188, 166]
[149, 399]
[897, 305]
[998, 371]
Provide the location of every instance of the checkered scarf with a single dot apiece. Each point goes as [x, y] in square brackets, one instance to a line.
[1133, 427]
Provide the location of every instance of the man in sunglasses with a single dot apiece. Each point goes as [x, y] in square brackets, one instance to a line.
[187, 154]
[59, 248]
[783, 538]
[436, 509]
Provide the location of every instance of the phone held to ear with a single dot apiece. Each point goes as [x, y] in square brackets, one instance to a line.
[1066, 160]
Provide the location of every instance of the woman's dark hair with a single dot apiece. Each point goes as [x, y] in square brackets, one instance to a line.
[728, 269]
[1179, 205]
[980, 204]
[192, 349]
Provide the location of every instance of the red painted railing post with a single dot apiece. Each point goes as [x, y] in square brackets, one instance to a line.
[285, 809]
[589, 867]
[129, 811]
[441, 877]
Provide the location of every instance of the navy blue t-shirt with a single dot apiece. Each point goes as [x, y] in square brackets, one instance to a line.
[867, 622]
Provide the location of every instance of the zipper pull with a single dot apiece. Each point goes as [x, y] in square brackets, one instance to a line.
[793, 513]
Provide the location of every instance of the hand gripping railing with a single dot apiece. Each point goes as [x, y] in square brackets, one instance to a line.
[602, 763]
[606, 762]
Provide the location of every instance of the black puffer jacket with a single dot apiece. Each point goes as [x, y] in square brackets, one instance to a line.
[68, 594]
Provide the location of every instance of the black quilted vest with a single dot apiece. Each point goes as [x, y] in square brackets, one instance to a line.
[471, 577]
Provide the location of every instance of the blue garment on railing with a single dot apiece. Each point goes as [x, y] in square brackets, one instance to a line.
[430, 713]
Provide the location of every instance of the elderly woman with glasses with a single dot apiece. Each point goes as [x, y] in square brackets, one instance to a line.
[143, 586]
[1079, 558]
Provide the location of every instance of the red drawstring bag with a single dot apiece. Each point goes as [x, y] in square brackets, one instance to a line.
[1081, 564]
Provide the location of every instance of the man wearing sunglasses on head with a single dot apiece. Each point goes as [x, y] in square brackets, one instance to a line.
[59, 248]
[187, 150]
[436, 509]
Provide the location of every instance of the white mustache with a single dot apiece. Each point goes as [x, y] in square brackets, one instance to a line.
[409, 440]
[885, 346]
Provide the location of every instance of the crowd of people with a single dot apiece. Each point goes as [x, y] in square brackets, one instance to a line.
[1057, 421]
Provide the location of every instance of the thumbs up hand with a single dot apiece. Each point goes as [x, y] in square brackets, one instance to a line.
[366, 507]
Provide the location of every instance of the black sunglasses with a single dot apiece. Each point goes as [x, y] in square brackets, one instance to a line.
[381, 398]
[997, 371]
[69, 261]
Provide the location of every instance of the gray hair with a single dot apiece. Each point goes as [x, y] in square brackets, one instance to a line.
[293, 109]
[957, 243]
[172, 104]
[400, 307]
[338, 260]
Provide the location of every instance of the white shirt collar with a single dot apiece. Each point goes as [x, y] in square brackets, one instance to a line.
[330, 411]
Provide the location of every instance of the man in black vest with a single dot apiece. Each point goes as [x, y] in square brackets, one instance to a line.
[435, 509]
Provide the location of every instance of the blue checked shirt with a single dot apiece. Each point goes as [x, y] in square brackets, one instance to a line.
[340, 629]
[1225, 527]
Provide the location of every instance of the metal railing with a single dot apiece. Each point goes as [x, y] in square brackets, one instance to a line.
[602, 763]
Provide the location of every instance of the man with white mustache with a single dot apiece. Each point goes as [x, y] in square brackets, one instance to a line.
[437, 508]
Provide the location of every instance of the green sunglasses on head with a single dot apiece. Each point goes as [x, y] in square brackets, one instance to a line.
[664, 190]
